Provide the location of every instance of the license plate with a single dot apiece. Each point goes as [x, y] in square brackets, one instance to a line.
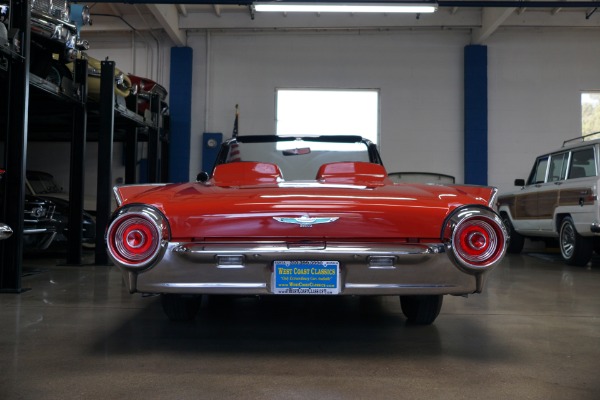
[306, 277]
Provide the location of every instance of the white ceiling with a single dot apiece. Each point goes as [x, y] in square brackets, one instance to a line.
[176, 20]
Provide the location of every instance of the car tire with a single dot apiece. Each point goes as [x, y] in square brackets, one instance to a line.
[179, 307]
[516, 243]
[597, 245]
[574, 248]
[421, 310]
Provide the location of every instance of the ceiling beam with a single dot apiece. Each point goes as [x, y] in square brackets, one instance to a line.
[168, 17]
[491, 19]
[182, 9]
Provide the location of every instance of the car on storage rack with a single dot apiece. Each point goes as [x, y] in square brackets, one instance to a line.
[558, 202]
[148, 97]
[122, 83]
[313, 216]
[55, 35]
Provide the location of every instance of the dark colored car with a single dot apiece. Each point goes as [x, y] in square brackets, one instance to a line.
[5, 230]
[39, 227]
[43, 186]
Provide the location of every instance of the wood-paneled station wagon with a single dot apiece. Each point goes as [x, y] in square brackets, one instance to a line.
[559, 201]
[311, 216]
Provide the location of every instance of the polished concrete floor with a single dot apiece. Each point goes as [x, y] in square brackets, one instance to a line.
[77, 334]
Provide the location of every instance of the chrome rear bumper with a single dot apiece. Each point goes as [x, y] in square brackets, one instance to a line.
[196, 268]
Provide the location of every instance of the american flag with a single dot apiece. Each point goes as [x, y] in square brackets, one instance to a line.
[235, 122]
[234, 153]
[234, 149]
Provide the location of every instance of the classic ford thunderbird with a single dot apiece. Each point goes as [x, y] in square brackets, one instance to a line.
[313, 216]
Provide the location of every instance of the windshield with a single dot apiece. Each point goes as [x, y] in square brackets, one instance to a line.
[298, 159]
[43, 183]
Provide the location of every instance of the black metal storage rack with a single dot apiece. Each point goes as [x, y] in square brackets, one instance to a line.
[37, 110]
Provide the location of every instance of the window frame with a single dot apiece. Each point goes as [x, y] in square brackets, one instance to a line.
[376, 139]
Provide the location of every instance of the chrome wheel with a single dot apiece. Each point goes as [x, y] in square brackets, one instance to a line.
[574, 248]
[567, 240]
[516, 242]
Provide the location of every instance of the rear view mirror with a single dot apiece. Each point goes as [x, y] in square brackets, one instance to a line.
[519, 182]
[297, 152]
[202, 177]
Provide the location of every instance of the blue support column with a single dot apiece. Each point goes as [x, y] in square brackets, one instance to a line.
[180, 106]
[476, 115]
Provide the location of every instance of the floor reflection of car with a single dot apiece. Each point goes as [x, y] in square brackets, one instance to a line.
[43, 185]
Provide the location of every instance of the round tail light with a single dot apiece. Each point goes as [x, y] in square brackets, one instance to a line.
[134, 238]
[476, 237]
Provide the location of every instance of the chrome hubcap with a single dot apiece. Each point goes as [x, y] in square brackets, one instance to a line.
[567, 240]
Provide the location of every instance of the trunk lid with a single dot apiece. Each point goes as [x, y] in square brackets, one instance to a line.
[305, 210]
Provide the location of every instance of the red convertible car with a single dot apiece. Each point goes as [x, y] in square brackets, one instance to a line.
[313, 216]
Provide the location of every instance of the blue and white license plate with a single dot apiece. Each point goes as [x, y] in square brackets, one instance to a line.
[306, 277]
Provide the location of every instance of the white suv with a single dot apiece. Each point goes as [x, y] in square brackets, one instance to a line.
[559, 200]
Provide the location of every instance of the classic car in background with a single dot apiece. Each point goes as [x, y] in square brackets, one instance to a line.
[39, 226]
[55, 38]
[46, 214]
[143, 101]
[5, 231]
[43, 186]
[558, 202]
[123, 86]
[421, 177]
[3, 22]
[304, 216]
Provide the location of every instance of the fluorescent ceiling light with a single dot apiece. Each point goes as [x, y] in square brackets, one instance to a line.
[417, 8]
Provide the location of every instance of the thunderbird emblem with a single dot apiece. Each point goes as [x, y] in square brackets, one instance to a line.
[305, 221]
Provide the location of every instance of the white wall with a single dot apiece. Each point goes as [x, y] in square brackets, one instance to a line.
[535, 80]
[419, 75]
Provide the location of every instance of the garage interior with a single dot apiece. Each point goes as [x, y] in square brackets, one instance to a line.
[70, 329]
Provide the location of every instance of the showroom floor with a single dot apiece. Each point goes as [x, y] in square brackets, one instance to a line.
[77, 334]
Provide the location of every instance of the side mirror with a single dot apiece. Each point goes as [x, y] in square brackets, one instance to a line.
[202, 177]
[519, 182]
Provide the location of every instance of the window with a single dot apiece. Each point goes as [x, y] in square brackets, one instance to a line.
[538, 174]
[328, 112]
[558, 167]
[582, 164]
[590, 112]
